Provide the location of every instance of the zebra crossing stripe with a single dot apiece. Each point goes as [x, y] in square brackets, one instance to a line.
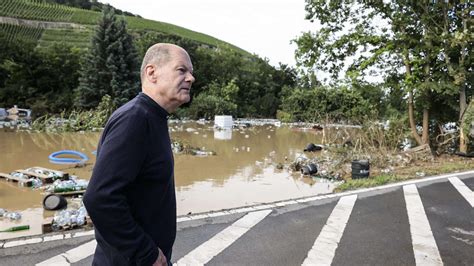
[467, 193]
[71, 256]
[211, 248]
[424, 245]
[324, 248]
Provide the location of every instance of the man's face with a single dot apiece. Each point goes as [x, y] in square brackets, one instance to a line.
[175, 78]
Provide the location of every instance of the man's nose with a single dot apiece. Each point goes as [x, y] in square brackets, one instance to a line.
[190, 78]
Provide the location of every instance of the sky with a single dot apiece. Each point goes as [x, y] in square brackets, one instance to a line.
[263, 27]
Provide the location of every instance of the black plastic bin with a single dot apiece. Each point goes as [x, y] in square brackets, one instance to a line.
[360, 169]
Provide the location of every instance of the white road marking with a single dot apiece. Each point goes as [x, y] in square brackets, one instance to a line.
[424, 245]
[324, 248]
[211, 248]
[467, 193]
[71, 256]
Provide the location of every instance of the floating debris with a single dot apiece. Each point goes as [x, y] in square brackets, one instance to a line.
[312, 148]
[36, 183]
[19, 175]
[420, 174]
[181, 148]
[67, 185]
[12, 215]
[68, 219]
[54, 202]
[54, 174]
[280, 166]
[309, 169]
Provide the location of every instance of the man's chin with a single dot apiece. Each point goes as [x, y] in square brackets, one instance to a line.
[184, 99]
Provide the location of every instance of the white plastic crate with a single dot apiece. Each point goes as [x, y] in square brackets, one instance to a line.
[223, 121]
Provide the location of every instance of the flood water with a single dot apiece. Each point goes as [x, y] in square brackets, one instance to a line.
[241, 173]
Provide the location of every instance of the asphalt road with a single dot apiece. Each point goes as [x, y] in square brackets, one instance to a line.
[377, 227]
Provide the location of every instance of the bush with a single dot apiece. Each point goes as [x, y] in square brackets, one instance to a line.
[77, 120]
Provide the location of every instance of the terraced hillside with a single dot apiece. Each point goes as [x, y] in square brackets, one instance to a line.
[76, 25]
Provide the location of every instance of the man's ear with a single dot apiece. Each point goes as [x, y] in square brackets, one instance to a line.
[150, 73]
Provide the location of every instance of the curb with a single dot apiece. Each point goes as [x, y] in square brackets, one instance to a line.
[44, 238]
[61, 235]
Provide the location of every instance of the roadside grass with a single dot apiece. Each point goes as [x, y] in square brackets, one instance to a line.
[440, 166]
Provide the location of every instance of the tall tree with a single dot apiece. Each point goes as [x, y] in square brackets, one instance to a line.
[111, 66]
[390, 36]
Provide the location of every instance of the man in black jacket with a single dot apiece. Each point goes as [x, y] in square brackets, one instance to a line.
[131, 195]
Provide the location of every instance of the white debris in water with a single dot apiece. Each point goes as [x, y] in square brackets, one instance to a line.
[69, 218]
[12, 215]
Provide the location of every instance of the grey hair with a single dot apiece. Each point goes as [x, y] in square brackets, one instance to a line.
[157, 54]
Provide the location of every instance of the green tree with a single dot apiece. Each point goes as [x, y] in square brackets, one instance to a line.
[339, 104]
[216, 99]
[389, 36]
[111, 66]
[40, 79]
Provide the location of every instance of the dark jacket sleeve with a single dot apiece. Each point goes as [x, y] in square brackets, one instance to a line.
[119, 160]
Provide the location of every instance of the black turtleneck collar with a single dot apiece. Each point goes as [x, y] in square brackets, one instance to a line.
[160, 110]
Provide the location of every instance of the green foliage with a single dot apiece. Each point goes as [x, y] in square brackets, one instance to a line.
[40, 80]
[369, 182]
[76, 120]
[320, 103]
[76, 38]
[215, 100]
[284, 116]
[13, 33]
[468, 121]
[389, 136]
[37, 10]
[88, 4]
[111, 65]
[420, 48]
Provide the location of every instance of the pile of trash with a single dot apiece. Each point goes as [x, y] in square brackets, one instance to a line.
[35, 182]
[181, 148]
[15, 117]
[73, 184]
[68, 219]
[10, 215]
[20, 175]
[314, 167]
[53, 174]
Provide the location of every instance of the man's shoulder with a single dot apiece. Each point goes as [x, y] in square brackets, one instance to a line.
[133, 108]
[132, 112]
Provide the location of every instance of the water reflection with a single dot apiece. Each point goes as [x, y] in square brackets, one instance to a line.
[243, 171]
[224, 134]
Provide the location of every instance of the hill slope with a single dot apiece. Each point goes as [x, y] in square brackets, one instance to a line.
[21, 19]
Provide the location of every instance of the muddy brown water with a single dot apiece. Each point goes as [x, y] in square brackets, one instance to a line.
[242, 173]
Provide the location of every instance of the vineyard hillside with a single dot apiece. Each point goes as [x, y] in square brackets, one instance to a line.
[46, 23]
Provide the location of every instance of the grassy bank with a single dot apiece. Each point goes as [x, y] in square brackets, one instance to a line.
[442, 165]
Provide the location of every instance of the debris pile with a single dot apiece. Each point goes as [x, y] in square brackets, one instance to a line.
[73, 184]
[182, 148]
[10, 215]
[68, 219]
